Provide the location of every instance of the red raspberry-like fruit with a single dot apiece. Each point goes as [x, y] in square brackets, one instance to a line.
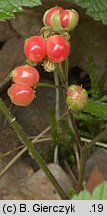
[69, 19]
[49, 14]
[35, 48]
[21, 95]
[58, 48]
[25, 75]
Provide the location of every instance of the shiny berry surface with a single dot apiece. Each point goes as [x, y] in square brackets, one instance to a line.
[21, 95]
[69, 19]
[25, 75]
[58, 48]
[49, 14]
[65, 18]
[35, 48]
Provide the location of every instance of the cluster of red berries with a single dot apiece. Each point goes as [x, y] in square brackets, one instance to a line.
[56, 48]
[25, 78]
[61, 19]
[51, 46]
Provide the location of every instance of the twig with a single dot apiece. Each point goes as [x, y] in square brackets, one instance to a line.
[104, 145]
[22, 146]
[14, 159]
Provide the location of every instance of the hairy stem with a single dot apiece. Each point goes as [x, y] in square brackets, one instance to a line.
[23, 137]
[35, 140]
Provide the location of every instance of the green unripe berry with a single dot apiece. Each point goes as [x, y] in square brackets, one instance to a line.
[76, 98]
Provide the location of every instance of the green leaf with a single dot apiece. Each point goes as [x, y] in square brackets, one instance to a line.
[9, 7]
[96, 108]
[84, 195]
[99, 193]
[95, 8]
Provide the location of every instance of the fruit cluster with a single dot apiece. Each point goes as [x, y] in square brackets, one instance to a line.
[49, 48]
[61, 19]
[56, 48]
[25, 78]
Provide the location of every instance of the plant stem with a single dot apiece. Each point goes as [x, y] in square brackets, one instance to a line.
[57, 108]
[83, 158]
[78, 147]
[66, 71]
[104, 145]
[75, 146]
[75, 131]
[35, 140]
[61, 76]
[57, 113]
[22, 146]
[71, 118]
[84, 153]
[48, 85]
[14, 159]
[23, 137]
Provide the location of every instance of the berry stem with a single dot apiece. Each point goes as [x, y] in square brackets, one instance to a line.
[57, 108]
[48, 85]
[57, 113]
[61, 76]
[23, 137]
[75, 130]
[71, 120]
[66, 71]
[71, 116]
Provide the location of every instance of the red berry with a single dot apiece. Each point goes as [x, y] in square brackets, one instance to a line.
[49, 14]
[35, 48]
[21, 95]
[65, 18]
[25, 75]
[69, 19]
[58, 48]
